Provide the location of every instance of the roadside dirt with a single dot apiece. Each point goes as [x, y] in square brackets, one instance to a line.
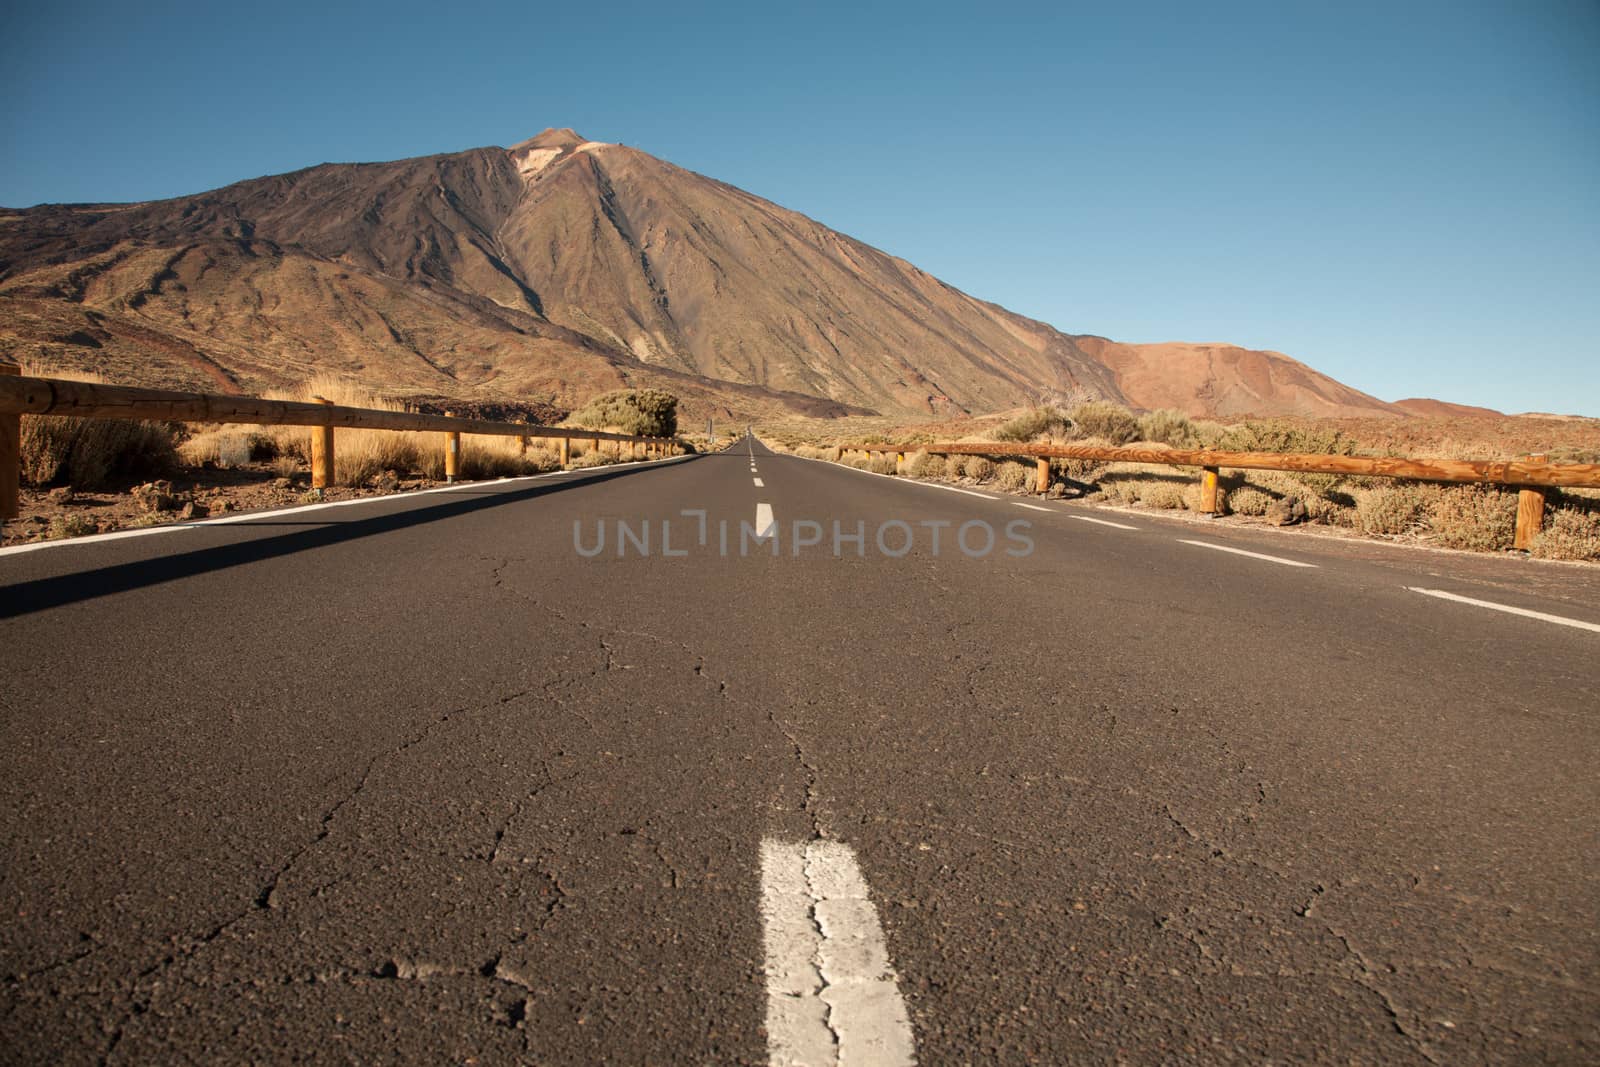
[194, 493]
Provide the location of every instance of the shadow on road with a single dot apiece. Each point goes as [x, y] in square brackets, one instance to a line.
[25, 598]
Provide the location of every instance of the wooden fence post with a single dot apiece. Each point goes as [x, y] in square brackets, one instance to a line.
[1530, 517]
[1208, 490]
[566, 451]
[322, 451]
[10, 457]
[1042, 486]
[522, 445]
[452, 453]
[1530, 512]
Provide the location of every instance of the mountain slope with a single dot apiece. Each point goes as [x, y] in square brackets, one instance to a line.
[557, 268]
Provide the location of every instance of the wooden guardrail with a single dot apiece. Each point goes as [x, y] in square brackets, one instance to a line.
[1531, 477]
[21, 395]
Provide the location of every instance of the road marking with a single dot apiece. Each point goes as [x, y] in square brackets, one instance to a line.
[766, 525]
[1105, 522]
[832, 994]
[759, 483]
[1242, 552]
[1560, 619]
[1031, 507]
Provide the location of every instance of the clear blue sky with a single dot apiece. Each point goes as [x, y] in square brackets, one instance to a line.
[1405, 195]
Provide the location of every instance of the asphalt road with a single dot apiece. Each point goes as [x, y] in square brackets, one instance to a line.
[416, 780]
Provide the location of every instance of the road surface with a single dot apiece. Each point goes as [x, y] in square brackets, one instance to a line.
[435, 779]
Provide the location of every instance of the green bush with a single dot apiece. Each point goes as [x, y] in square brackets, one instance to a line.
[645, 412]
[1101, 418]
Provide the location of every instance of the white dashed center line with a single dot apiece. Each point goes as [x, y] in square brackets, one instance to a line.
[1559, 619]
[766, 525]
[1105, 522]
[1031, 507]
[1242, 552]
[832, 994]
[759, 483]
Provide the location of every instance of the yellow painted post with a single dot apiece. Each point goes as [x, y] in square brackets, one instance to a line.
[1042, 486]
[1208, 490]
[566, 451]
[452, 452]
[10, 457]
[899, 462]
[322, 451]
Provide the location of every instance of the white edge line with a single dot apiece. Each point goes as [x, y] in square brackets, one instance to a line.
[1508, 609]
[1243, 552]
[1105, 522]
[252, 516]
[1032, 507]
[898, 478]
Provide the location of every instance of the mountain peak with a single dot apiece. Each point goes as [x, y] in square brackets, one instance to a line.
[562, 137]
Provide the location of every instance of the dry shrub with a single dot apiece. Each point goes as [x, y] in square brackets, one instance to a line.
[87, 453]
[1040, 422]
[1390, 510]
[1248, 500]
[1478, 518]
[1569, 533]
[1101, 418]
[882, 463]
[954, 467]
[1284, 436]
[1083, 470]
[1011, 475]
[1167, 427]
[921, 465]
[70, 525]
[228, 447]
[1164, 494]
[977, 468]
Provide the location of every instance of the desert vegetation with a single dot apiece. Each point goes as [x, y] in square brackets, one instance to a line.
[641, 412]
[1469, 517]
[83, 476]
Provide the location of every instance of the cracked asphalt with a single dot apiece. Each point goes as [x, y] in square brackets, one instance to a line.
[414, 780]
